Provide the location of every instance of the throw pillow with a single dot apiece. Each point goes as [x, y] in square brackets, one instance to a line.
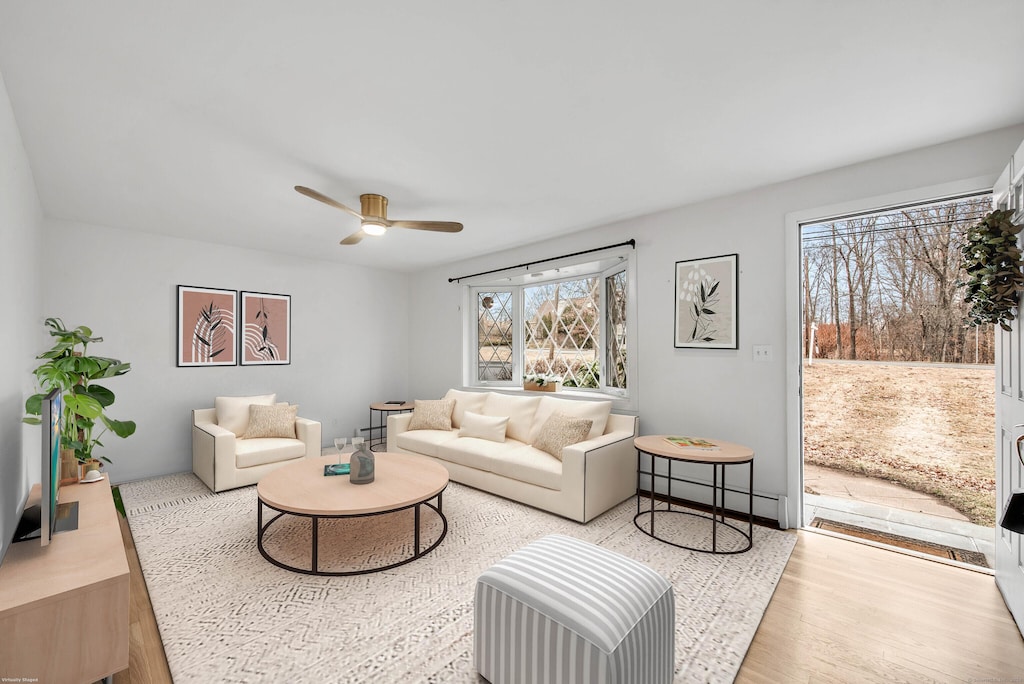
[271, 421]
[432, 414]
[560, 431]
[233, 412]
[597, 411]
[491, 428]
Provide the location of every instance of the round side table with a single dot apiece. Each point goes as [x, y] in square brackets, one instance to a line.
[379, 430]
[723, 454]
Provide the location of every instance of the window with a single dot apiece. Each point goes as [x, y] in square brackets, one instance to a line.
[570, 321]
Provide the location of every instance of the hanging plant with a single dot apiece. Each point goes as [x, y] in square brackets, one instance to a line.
[992, 261]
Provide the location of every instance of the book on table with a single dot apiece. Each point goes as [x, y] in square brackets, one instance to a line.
[691, 443]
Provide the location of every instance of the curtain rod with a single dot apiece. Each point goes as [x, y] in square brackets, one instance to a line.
[631, 242]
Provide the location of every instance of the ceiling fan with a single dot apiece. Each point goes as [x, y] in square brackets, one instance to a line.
[373, 216]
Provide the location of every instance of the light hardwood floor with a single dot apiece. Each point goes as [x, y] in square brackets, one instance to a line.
[843, 612]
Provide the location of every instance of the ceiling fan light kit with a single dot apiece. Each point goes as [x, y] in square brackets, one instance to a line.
[373, 216]
[373, 228]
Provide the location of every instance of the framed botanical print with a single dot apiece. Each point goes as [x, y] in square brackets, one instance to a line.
[266, 329]
[206, 326]
[706, 303]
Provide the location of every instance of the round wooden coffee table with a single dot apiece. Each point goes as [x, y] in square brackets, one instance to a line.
[723, 454]
[401, 481]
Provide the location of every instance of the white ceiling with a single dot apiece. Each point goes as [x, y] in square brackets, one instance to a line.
[520, 118]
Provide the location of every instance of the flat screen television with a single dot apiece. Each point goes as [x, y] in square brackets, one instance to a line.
[43, 520]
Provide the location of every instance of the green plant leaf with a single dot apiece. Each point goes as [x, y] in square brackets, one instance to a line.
[121, 428]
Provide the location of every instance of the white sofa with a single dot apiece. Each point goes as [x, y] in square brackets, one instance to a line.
[222, 459]
[592, 476]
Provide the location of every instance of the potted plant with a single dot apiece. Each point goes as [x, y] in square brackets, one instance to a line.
[539, 382]
[992, 261]
[68, 366]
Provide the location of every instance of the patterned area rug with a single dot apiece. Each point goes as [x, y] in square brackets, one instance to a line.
[227, 615]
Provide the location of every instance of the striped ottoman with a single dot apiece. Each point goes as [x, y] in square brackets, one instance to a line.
[562, 610]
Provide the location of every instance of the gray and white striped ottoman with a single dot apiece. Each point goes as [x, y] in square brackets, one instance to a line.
[561, 610]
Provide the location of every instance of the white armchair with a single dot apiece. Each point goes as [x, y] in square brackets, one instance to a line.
[229, 451]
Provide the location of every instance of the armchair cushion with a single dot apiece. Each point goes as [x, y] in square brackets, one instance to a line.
[271, 421]
[233, 412]
[260, 451]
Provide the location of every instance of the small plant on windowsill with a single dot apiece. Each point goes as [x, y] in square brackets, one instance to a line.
[539, 382]
[992, 261]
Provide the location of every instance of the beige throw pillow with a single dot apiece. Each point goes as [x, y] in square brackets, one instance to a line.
[432, 414]
[559, 431]
[271, 421]
[233, 412]
[491, 428]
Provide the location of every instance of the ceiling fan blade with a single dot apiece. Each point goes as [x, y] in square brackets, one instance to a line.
[353, 239]
[309, 192]
[439, 226]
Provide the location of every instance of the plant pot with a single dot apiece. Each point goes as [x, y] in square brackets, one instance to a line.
[546, 387]
[68, 466]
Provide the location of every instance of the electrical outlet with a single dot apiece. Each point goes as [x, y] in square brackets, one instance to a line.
[762, 352]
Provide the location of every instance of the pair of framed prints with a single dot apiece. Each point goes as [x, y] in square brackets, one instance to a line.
[227, 327]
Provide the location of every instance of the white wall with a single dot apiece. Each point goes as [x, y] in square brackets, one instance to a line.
[349, 335]
[711, 393]
[20, 218]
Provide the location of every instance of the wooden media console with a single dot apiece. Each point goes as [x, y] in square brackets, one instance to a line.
[64, 607]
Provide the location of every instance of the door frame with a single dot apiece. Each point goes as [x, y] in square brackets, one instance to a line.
[792, 514]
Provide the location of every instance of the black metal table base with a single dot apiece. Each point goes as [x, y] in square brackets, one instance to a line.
[261, 531]
[717, 516]
[379, 430]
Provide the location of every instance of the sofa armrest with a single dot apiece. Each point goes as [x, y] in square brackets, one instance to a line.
[310, 433]
[214, 430]
[397, 424]
[209, 440]
[607, 467]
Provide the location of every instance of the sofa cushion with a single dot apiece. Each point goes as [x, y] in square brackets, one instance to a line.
[491, 428]
[271, 421]
[425, 441]
[559, 431]
[528, 464]
[233, 412]
[465, 401]
[262, 450]
[474, 452]
[520, 412]
[511, 459]
[432, 414]
[596, 411]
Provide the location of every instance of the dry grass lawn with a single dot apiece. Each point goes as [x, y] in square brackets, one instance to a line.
[927, 427]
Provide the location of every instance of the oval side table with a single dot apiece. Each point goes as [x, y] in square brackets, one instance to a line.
[724, 453]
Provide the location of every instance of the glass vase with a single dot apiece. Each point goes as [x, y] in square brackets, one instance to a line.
[361, 465]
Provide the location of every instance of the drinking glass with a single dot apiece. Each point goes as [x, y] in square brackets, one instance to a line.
[339, 444]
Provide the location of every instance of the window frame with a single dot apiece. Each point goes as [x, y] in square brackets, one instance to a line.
[516, 281]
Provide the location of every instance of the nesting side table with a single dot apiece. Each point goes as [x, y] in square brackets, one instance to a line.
[726, 453]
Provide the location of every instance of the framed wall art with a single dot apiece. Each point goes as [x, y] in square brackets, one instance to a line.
[266, 329]
[206, 326]
[707, 314]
